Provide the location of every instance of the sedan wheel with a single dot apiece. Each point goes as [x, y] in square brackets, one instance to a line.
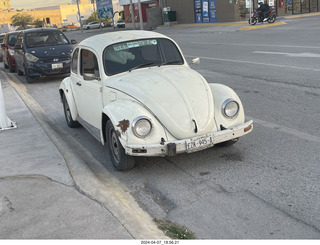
[121, 161]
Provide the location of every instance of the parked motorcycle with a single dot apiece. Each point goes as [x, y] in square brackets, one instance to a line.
[258, 17]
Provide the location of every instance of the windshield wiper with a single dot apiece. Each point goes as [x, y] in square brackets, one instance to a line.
[171, 62]
[142, 65]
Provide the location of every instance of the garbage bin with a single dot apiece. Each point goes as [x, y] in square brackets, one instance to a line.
[170, 16]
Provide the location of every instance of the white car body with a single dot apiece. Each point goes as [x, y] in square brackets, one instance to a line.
[93, 25]
[185, 111]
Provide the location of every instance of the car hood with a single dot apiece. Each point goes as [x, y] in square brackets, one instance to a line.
[51, 51]
[179, 97]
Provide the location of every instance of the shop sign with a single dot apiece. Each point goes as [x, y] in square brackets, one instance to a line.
[104, 9]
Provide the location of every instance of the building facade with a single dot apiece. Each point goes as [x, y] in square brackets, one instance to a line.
[211, 11]
[5, 5]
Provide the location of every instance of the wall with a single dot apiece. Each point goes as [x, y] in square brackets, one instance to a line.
[184, 10]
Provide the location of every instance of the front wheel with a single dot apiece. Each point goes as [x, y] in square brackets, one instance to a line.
[121, 161]
[272, 18]
[252, 21]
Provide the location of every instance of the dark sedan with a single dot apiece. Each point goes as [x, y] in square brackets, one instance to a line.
[42, 52]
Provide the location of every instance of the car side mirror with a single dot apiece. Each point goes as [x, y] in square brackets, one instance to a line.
[73, 41]
[196, 61]
[18, 46]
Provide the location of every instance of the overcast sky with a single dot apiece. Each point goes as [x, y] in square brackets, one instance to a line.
[31, 4]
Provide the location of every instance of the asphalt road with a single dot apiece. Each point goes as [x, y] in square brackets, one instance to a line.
[267, 185]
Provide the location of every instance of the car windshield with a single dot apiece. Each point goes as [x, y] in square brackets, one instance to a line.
[127, 56]
[45, 38]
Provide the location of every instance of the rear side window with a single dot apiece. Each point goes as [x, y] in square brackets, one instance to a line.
[89, 64]
[12, 38]
[74, 66]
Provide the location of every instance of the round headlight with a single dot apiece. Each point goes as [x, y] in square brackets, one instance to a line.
[230, 108]
[141, 127]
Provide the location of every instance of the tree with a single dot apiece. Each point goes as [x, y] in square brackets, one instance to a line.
[38, 23]
[22, 19]
[93, 17]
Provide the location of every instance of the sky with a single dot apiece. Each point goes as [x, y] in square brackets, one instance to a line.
[31, 4]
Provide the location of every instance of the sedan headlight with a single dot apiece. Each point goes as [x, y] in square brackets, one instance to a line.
[230, 108]
[31, 57]
[141, 127]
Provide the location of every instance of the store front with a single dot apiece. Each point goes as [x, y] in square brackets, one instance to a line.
[205, 11]
[301, 6]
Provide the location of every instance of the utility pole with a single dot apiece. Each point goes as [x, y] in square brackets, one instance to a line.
[132, 15]
[140, 15]
[80, 21]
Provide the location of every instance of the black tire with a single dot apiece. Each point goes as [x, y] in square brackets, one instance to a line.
[272, 18]
[120, 160]
[19, 72]
[5, 65]
[252, 21]
[11, 68]
[67, 113]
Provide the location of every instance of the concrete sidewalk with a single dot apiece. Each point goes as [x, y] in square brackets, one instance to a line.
[48, 194]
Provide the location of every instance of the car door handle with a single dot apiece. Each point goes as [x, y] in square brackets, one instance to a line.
[79, 84]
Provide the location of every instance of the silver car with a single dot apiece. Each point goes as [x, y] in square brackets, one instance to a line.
[93, 25]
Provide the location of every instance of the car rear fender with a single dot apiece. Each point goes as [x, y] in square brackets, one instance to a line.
[65, 89]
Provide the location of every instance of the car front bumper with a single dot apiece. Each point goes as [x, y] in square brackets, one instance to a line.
[46, 69]
[190, 145]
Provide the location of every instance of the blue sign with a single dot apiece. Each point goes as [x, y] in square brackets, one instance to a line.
[213, 11]
[104, 9]
[198, 11]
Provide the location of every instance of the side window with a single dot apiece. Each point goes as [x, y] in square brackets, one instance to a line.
[89, 64]
[74, 66]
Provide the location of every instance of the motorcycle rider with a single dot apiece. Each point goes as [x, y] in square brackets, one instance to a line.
[264, 8]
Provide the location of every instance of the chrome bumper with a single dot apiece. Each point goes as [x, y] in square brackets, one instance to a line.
[190, 145]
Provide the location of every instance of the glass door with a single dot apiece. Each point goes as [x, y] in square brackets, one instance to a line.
[296, 7]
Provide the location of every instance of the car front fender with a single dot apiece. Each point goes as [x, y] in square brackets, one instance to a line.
[220, 94]
[66, 90]
[122, 113]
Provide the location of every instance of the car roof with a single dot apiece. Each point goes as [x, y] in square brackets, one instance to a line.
[40, 29]
[99, 42]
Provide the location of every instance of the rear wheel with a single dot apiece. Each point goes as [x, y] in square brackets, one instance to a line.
[121, 161]
[11, 68]
[5, 65]
[67, 113]
[272, 18]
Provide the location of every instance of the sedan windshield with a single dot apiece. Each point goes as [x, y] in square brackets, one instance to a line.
[127, 56]
[45, 38]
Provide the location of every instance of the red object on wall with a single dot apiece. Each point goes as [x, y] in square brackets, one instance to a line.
[144, 6]
[281, 3]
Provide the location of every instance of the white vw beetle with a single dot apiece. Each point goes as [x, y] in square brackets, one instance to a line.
[136, 93]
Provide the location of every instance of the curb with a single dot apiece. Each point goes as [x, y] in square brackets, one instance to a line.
[90, 178]
[263, 26]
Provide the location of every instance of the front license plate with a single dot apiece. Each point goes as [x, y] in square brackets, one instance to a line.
[200, 143]
[57, 66]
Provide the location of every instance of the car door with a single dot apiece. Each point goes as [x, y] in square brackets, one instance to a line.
[19, 53]
[87, 86]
